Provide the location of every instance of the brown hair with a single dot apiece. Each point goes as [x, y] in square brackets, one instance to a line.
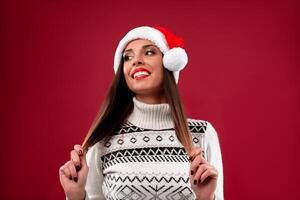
[118, 105]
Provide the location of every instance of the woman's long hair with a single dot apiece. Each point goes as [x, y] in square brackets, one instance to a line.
[118, 105]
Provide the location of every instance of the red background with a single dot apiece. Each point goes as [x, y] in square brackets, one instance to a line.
[242, 76]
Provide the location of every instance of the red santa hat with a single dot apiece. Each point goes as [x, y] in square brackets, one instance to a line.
[174, 56]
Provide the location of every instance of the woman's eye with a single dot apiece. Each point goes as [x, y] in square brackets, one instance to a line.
[126, 57]
[149, 52]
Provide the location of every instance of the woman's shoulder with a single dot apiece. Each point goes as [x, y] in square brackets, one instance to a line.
[200, 126]
[93, 150]
[197, 125]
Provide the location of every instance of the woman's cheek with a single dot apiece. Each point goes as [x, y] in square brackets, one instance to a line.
[126, 70]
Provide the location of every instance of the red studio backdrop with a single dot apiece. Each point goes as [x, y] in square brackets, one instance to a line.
[242, 76]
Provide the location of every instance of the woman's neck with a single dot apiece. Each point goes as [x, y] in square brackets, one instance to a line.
[151, 116]
[151, 99]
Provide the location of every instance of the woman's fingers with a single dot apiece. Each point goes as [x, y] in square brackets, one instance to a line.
[73, 174]
[197, 159]
[82, 156]
[75, 159]
[210, 172]
[67, 172]
[201, 169]
[64, 172]
[78, 149]
[78, 157]
[194, 153]
[203, 172]
[72, 169]
[194, 165]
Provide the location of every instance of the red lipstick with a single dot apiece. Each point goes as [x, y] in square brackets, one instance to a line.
[139, 70]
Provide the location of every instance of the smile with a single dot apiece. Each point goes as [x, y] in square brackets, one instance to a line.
[140, 73]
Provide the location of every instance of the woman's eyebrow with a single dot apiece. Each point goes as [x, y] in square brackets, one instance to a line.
[144, 47]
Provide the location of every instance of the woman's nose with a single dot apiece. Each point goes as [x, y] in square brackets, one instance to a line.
[138, 61]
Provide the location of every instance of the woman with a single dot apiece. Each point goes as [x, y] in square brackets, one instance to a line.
[141, 145]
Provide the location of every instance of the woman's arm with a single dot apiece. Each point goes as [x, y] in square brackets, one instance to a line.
[214, 157]
[94, 181]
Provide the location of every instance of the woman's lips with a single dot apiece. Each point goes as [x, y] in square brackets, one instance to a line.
[140, 77]
[140, 73]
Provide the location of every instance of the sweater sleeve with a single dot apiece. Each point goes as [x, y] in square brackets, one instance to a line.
[94, 181]
[214, 157]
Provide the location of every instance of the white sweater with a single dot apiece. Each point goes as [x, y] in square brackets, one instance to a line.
[145, 160]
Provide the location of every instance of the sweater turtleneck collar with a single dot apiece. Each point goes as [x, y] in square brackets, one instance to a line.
[151, 116]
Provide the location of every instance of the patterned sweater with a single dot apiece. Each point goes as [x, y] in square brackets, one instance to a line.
[144, 160]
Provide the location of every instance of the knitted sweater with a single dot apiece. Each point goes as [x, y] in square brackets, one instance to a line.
[145, 160]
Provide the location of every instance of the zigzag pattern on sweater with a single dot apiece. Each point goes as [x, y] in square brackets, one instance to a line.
[131, 192]
[144, 179]
[154, 154]
[195, 126]
[129, 128]
[145, 188]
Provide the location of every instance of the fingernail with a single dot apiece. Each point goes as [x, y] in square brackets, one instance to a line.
[75, 179]
[195, 182]
[78, 168]
[192, 172]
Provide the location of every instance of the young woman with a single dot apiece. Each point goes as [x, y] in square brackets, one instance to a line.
[141, 145]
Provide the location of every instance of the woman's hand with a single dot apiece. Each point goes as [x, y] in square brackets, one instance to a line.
[203, 176]
[73, 174]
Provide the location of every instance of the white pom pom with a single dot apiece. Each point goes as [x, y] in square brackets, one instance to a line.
[175, 59]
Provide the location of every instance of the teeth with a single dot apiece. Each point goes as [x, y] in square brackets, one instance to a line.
[141, 73]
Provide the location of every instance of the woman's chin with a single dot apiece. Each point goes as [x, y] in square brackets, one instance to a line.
[141, 84]
[145, 86]
[141, 90]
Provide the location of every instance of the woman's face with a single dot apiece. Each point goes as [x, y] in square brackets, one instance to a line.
[143, 68]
